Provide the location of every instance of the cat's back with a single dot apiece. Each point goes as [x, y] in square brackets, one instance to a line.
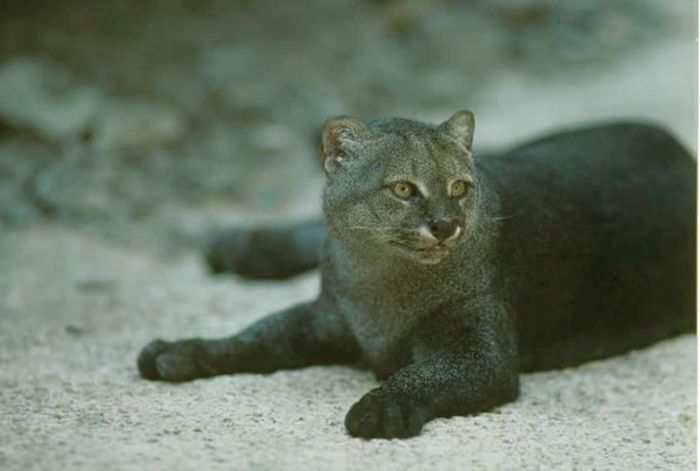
[578, 157]
[597, 245]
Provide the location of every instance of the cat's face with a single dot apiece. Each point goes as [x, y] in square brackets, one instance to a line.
[402, 186]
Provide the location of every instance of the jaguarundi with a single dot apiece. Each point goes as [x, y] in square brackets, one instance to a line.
[447, 273]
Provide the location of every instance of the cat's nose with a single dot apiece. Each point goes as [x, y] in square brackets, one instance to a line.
[443, 228]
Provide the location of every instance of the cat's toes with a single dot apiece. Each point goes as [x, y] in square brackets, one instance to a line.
[223, 253]
[146, 361]
[381, 415]
[172, 361]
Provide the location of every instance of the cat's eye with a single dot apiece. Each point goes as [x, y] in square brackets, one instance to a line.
[458, 188]
[404, 189]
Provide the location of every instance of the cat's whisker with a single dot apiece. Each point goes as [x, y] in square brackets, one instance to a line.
[500, 218]
[368, 228]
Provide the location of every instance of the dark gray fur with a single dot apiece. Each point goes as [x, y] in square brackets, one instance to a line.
[574, 247]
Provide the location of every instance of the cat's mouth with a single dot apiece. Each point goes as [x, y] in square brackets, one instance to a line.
[424, 247]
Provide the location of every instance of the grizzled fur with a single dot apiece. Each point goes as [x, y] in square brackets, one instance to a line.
[571, 248]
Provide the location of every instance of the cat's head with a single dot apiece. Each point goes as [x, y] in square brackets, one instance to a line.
[400, 186]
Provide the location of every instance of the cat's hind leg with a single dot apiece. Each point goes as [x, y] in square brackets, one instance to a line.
[267, 252]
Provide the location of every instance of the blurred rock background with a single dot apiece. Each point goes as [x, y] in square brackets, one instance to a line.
[151, 123]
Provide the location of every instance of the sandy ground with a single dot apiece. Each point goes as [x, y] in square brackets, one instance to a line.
[70, 397]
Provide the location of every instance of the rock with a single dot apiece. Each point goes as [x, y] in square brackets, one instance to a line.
[124, 124]
[42, 99]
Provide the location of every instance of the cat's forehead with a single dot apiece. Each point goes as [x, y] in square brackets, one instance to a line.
[420, 156]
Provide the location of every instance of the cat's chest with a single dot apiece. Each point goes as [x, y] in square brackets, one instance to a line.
[383, 315]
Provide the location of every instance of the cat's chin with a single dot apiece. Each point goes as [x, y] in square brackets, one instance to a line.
[431, 260]
[434, 257]
[427, 256]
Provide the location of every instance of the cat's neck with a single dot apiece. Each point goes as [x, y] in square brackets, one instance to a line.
[369, 263]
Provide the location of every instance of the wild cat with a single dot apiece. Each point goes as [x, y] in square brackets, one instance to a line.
[447, 273]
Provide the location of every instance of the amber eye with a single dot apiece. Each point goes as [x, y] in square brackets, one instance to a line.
[404, 189]
[458, 188]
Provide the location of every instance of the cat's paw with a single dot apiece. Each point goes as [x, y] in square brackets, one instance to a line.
[228, 252]
[178, 361]
[264, 253]
[380, 414]
[257, 253]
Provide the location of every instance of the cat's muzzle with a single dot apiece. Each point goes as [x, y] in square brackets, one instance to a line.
[428, 248]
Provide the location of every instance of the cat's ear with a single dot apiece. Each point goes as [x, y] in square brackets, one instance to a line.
[341, 137]
[461, 127]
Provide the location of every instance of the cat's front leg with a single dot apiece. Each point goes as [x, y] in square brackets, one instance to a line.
[464, 371]
[303, 335]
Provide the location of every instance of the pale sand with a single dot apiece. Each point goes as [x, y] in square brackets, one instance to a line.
[70, 397]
